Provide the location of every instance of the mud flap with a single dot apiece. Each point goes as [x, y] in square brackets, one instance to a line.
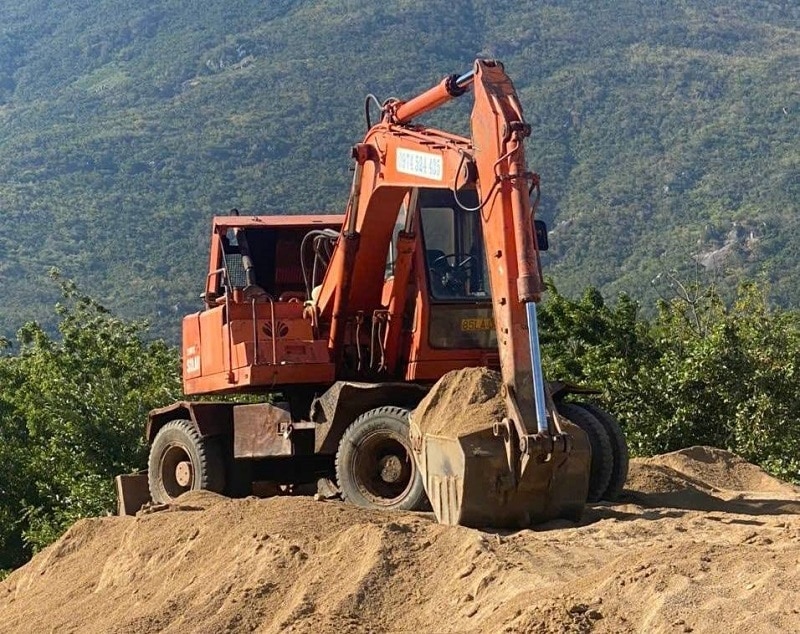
[470, 480]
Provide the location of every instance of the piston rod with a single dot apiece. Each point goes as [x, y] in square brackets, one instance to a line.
[449, 88]
[536, 363]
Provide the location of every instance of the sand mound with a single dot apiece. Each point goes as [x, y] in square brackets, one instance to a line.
[461, 402]
[709, 479]
[656, 562]
[722, 470]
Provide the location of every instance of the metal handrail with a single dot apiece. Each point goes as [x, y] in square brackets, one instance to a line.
[273, 329]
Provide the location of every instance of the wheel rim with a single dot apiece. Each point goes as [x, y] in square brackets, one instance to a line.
[383, 468]
[177, 471]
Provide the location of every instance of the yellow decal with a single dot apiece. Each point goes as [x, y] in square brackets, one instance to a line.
[477, 323]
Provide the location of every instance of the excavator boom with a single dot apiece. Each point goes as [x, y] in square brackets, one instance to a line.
[525, 467]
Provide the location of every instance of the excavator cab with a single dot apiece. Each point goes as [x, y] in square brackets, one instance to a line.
[455, 272]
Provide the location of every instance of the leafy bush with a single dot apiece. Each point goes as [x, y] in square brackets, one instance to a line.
[700, 372]
[72, 412]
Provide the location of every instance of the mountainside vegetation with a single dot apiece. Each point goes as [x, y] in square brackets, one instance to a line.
[666, 134]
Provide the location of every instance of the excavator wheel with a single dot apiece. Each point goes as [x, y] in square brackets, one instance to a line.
[602, 456]
[619, 449]
[374, 465]
[182, 460]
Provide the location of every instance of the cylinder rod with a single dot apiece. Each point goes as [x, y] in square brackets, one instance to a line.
[448, 89]
[466, 79]
[536, 363]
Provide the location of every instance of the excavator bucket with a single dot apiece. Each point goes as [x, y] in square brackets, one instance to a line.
[470, 482]
[481, 469]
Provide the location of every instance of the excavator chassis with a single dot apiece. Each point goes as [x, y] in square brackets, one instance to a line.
[481, 479]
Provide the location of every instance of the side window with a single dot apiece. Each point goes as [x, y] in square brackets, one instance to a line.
[392, 255]
[454, 255]
[442, 261]
[439, 229]
[472, 244]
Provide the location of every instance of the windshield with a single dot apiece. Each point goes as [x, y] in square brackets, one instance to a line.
[454, 256]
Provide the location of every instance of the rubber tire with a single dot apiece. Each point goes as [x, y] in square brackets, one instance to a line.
[389, 421]
[602, 457]
[205, 456]
[619, 449]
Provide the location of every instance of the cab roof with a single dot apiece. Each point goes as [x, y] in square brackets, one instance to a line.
[287, 221]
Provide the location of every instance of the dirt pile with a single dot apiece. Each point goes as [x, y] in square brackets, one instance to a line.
[701, 542]
[460, 403]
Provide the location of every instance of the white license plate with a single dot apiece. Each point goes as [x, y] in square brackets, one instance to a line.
[420, 164]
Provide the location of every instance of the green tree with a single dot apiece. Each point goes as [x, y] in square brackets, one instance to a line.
[701, 372]
[75, 406]
[15, 477]
[594, 344]
[730, 375]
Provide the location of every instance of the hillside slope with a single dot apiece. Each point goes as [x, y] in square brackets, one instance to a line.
[702, 542]
[662, 131]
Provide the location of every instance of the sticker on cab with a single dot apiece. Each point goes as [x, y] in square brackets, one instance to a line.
[472, 324]
[422, 164]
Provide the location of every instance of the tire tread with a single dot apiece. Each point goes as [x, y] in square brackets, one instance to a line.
[416, 498]
[602, 457]
[210, 464]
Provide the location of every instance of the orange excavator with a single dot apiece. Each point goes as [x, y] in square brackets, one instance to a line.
[342, 324]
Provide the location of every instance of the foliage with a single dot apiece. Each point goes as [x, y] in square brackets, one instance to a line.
[700, 372]
[72, 411]
[587, 341]
[125, 126]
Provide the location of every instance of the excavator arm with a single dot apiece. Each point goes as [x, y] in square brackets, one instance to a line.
[542, 468]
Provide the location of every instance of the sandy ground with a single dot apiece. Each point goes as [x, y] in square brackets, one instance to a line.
[700, 542]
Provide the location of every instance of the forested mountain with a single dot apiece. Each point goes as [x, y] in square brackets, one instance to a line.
[666, 133]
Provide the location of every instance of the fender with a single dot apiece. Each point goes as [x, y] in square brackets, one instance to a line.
[560, 389]
[211, 418]
[345, 401]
